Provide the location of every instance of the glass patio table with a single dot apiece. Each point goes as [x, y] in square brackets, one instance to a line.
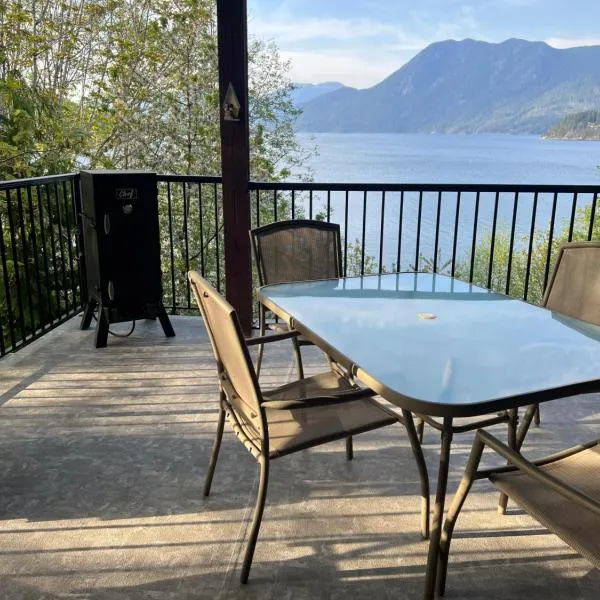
[437, 346]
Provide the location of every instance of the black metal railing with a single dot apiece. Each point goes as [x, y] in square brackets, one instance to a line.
[504, 237]
[40, 277]
[191, 233]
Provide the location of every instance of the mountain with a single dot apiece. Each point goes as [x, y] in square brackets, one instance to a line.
[468, 86]
[577, 126]
[305, 92]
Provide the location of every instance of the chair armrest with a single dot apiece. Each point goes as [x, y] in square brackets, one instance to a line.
[317, 401]
[533, 471]
[276, 337]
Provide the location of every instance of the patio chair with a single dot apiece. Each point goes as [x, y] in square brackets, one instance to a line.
[574, 287]
[298, 250]
[302, 414]
[561, 491]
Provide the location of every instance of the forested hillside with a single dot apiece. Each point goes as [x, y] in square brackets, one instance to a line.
[469, 87]
[578, 126]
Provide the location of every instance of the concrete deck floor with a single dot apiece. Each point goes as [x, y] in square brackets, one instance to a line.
[102, 460]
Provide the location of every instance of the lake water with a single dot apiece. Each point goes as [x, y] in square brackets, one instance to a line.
[416, 158]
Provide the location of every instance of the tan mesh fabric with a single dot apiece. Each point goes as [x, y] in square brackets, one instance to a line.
[291, 430]
[577, 526]
[288, 252]
[574, 289]
[230, 349]
[323, 384]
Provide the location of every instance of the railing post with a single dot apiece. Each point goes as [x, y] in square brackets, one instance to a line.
[235, 148]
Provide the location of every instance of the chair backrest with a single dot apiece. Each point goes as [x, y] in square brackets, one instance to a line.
[574, 288]
[297, 250]
[236, 372]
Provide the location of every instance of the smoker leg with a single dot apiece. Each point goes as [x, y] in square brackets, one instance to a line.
[88, 313]
[101, 327]
[164, 321]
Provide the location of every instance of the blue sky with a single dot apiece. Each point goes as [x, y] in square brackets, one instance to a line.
[360, 42]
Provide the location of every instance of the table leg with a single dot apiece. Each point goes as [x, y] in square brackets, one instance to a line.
[438, 511]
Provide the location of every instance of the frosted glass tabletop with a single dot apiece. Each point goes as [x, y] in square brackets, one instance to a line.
[435, 345]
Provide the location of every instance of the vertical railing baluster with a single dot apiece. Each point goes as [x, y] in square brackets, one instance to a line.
[310, 204]
[550, 239]
[381, 232]
[418, 241]
[454, 243]
[346, 234]
[201, 232]
[530, 249]
[7, 286]
[275, 217]
[61, 249]
[26, 276]
[79, 247]
[257, 203]
[400, 217]
[216, 203]
[36, 259]
[573, 212]
[364, 233]
[293, 204]
[511, 243]
[54, 278]
[328, 206]
[66, 204]
[13, 244]
[592, 217]
[474, 241]
[170, 209]
[493, 241]
[437, 232]
[186, 243]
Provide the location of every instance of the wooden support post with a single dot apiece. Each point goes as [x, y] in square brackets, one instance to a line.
[235, 151]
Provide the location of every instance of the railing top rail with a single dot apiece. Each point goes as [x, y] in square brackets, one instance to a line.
[12, 184]
[190, 178]
[422, 187]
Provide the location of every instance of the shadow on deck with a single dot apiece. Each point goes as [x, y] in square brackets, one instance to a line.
[102, 460]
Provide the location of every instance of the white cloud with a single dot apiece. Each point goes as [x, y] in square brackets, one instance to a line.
[562, 43]
[300, 30]
[352, 70]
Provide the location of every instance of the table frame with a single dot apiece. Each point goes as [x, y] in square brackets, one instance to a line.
[448, 412]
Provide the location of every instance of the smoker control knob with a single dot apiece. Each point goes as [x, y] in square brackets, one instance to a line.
[127, 209]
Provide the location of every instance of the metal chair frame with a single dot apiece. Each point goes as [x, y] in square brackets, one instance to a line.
[516, 462]
[260, 451]
[548, 291]
[255, 236]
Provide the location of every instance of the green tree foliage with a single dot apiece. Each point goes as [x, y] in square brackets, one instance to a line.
[539, 263]
[123, 84]
[583, 125]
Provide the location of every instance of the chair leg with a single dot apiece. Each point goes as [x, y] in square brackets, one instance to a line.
[525, 424]
[422, 466]
[536, 418]
[513, 444]
[420, 429]
[349, 448]
[257, 518]
[261, 347]
[299, 366]
[216, 446]
[454, 511]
